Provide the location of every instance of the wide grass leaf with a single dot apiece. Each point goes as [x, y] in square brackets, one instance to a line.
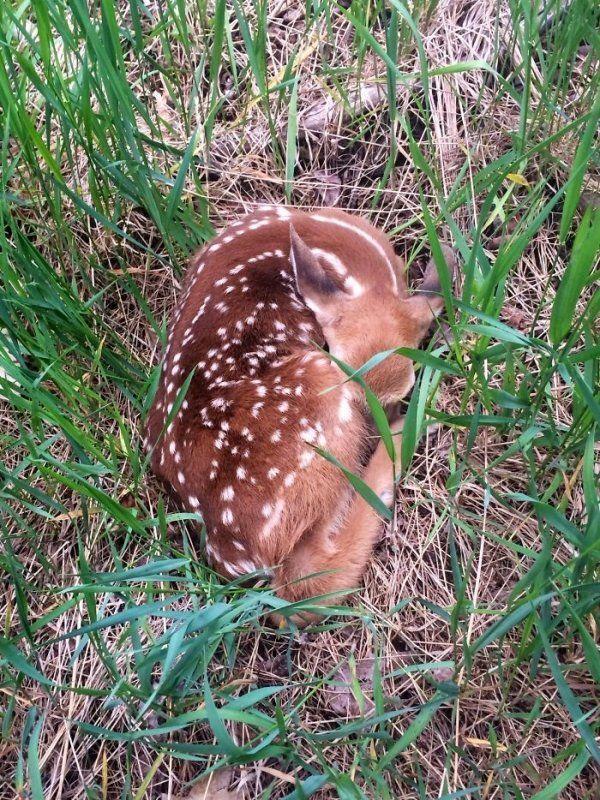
[365, 491]
[567, 695]
[562, 781]
[506, 623]
[583, 258]
[16, 660]
[584, 151]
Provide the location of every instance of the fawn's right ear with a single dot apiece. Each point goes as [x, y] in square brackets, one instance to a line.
[318, 286]
[427, 302]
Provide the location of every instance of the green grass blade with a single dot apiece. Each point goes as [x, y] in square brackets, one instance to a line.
[291, 150]
[584, 151]
[583, 258]
[567, 695]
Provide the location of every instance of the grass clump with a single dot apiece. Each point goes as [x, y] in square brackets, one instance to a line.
[469, 666]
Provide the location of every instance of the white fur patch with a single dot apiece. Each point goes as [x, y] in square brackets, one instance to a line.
[387, 497]
[331, 259]
[344, 409]
[355, 229]
[305, 458]
[274, 520]
[353, 287]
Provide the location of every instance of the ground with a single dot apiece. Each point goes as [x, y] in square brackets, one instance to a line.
[467, 666]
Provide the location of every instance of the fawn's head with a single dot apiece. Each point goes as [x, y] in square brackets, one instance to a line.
[369, 311]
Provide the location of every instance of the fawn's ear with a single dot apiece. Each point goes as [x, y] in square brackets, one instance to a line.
[427, 302]
[399, 266]
[317, 285]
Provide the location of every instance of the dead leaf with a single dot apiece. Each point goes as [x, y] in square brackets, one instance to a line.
[515, 318]
[486, 744]
[515, 177]
[341, 699]
[164, 107]
[328, 186]
[213, 787]
[275, 665]
[442, 674]
[75, 514]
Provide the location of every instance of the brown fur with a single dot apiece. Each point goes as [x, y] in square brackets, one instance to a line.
[240, 448]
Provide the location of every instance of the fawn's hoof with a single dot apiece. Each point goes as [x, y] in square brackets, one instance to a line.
[298, 620]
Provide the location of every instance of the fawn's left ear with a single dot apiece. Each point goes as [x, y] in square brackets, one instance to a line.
[319, 286]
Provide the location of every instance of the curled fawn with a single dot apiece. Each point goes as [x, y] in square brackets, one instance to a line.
[239, 448]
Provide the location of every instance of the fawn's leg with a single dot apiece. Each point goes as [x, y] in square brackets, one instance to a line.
[342, 551]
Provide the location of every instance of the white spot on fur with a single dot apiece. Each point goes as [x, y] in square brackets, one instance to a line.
[289, 479]
[261, 223]
[275, 517]
[309, 435]
[305, 458]
[344, 409]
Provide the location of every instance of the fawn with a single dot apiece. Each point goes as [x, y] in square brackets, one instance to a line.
[259, 302]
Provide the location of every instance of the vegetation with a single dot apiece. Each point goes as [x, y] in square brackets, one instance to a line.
[468, 665]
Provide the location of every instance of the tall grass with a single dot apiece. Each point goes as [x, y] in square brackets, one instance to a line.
[96, 203]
